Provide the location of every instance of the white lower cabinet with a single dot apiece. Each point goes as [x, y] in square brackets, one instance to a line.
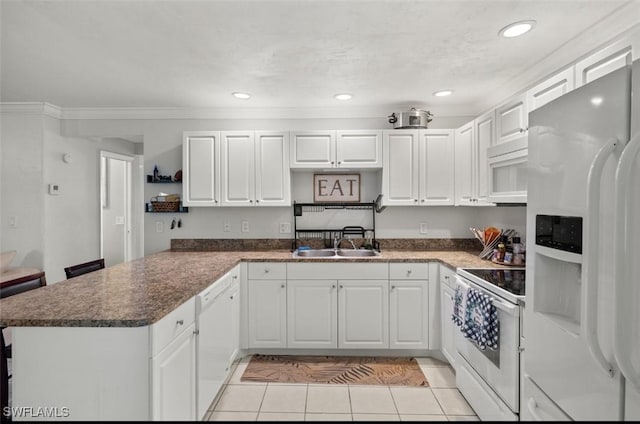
[173, 379]
[448, 329]
[312, 314]
[267, 305]
[363, 314]
[409, 306]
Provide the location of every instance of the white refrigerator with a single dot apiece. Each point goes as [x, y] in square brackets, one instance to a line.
[581, 358]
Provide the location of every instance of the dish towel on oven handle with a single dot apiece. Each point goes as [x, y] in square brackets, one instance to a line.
[457, 315]
[481, 320]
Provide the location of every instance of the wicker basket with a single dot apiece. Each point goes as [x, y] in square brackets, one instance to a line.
[165, 206]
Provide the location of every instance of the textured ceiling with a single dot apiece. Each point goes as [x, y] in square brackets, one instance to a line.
[296, 54]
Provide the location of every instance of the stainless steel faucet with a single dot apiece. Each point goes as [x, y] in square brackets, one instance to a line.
[337, 241]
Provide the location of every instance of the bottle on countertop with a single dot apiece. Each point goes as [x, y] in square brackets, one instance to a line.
[155, 173]
[518, 252]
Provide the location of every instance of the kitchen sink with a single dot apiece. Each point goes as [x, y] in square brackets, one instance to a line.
[315, 253]
[335, 253]
[357, 253]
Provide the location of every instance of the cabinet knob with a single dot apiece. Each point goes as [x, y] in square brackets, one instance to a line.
[266, 270]
[282, 286]
[422, 200]
[251, 201]
[215, 201]
[332, 162]
[234, 277]
[341, 286]
[231, 297]
[257, 201]
[333, 286]
[446, 277]
[408, 273]
[393, 287]
[415, 200]
[339, 162]
[180, 322]
[196, 332]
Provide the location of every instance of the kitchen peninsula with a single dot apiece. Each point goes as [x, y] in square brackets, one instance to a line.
[100, 344]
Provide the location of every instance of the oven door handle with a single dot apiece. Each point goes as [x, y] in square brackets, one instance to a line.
[508, 308]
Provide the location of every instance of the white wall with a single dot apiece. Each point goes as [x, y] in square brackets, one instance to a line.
[22, 190]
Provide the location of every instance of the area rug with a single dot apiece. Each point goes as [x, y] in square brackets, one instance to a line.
[334, 370]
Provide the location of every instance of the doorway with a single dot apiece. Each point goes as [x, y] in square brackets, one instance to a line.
[116, 244]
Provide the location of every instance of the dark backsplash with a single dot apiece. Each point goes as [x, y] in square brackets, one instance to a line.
[470, 244]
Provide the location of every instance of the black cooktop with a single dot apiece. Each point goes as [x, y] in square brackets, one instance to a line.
[511, 280]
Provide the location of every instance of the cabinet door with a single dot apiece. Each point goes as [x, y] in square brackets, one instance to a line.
[359, 149]
[273, 177]
[508, 177]
[484, 137]
[464, 164]
[605, 61]
[400, 173]
[173, 379]
[313, 149]
[200, 168]
[363, 311]
[512, 120]
[550, 89]
[436, 183]
[311, 314]
[409, 314]
[238, 168]
[448, 328]
[267, 315]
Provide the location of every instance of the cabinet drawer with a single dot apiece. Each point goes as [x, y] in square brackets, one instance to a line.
[165, 330]
[267, 270]
[447, 276]
[409, 271]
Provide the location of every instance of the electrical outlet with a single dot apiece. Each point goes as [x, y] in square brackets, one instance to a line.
[423, 228]
[227, 227]
[159, 226]
[285, 227]
[245, 226]
[13, 222]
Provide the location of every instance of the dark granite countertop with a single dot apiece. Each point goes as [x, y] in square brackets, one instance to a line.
[142, 291]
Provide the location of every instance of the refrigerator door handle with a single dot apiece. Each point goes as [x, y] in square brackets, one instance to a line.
[590, 265]
[623, 281]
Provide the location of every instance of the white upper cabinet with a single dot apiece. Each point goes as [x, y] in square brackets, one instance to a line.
[201, 170]
[255, 168]
[418, 167]
[400, 174]
[471, 143]
[608, 59]
[238, 168]
[273, 177]
[550, 89]
[436, 167]
[313, 149]
[359, 148]
[336, 149]
[512, 120]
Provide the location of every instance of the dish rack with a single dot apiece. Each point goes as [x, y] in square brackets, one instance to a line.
[327, 235]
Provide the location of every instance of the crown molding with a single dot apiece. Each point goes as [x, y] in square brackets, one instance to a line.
[32, 108]
[222, 113]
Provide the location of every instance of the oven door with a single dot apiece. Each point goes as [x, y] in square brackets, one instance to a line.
[499, 368]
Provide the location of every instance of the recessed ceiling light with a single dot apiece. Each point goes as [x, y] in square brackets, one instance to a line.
[343, 96]
[240, 95]
[517, 28]
[443, 93]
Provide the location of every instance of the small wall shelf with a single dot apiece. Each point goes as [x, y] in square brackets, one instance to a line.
[182, 209]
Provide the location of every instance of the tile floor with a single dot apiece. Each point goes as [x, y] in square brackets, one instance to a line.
[251, 401]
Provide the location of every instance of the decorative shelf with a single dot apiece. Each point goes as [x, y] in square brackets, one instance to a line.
[182, 209]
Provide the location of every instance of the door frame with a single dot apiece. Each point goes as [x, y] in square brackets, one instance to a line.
[103, 200]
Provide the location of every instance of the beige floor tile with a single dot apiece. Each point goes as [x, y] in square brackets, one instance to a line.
[281, 416]
[371, 400]
[415, 400]
[440, 377]
[284, 398]
[463, 418]
[328, 399]
[232, 416]
[241, 398]
[431, 362]
[422, 417]
[327, 417]
[452, 402]
[376, 417]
